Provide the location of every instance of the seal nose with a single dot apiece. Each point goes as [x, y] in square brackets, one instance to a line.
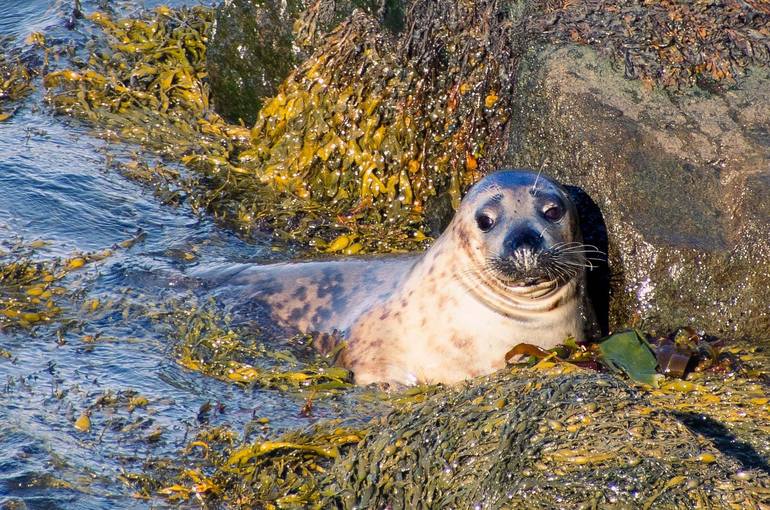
[523, 237]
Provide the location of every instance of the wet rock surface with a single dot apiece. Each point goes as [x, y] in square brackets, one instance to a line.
[682, 179]
[670, 43]
[535, 439]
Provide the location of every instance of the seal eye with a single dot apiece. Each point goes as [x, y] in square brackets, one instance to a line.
[485, 222]
[553, 212]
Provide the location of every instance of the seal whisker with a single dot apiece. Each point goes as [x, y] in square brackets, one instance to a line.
[587, 248]
[577, 249]
[587, 263]
[568, 272]
[578, 256]
[561, 273]
[533, 190]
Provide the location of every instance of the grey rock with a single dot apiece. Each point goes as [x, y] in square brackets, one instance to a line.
[682, 179]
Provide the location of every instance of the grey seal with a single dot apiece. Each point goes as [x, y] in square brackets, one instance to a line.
[509, 268]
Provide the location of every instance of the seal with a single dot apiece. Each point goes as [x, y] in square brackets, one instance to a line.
[509, 268]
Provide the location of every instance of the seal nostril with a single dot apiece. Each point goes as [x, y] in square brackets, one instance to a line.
[523, 238]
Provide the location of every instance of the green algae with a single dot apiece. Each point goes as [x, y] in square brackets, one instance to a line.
[629, 351]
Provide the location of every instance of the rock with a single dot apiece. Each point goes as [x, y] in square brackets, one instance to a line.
[681, 177]
[526, 439]
[253, 45]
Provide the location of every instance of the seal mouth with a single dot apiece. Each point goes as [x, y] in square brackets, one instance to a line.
[558, 264]
[522, 269]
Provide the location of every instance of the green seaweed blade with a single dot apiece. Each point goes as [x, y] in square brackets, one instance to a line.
[629, 352]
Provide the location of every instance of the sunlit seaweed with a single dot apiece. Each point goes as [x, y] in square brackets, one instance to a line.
[542, 437]
[365, 133]
[333, 153]
[361, 121]
[206, 343]
[281, 473]
[31, 290]
[15, 79]
[520, 438]
[148, 86]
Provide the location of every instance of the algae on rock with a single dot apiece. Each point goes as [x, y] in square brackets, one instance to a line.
[255, 44]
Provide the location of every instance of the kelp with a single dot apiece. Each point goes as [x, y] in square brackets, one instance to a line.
[147, 85]
[550, 436]
[286, 472]
[645, 359]
[355, 143]
[386, 124]
[206, 343]
[525, 437]
[15, 78]
[32, 290]
[374, 129]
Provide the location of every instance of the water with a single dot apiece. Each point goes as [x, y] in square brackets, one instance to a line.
[56, 185]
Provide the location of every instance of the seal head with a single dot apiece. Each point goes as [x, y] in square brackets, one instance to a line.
[521, 235]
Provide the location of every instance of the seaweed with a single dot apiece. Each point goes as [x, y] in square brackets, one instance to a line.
[668, 43]
[355, 142]
[15, 78]
[206, 343]
[33, 291]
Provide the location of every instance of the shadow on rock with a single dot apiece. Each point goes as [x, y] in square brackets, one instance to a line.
[723, 440]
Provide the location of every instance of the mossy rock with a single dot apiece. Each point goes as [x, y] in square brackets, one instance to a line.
[543, 439]
[255, 44]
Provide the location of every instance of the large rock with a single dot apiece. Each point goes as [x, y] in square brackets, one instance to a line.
[253, 45]
[523, 439]
[682, 178]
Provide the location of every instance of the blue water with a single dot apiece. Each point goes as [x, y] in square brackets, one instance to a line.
[56, 185]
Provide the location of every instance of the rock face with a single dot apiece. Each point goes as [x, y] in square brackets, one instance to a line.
[255, 44]
[682, 179]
